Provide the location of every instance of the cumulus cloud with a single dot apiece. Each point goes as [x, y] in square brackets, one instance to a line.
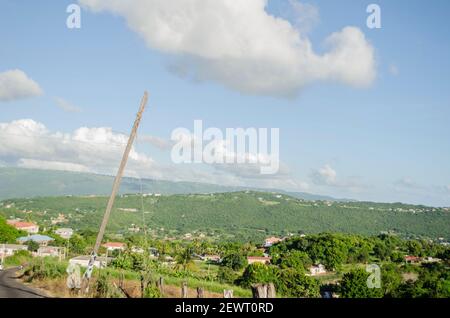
[30, 144]
[305, 16]
[15, 84]
[66, 106]
[242, 46]
[327, 176]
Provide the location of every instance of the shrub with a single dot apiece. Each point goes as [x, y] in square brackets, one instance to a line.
[292, 283]
[234, 261]
[258, 273]
[226, 275]
[41, 268]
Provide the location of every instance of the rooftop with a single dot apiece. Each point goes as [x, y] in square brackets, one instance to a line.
[36, 237]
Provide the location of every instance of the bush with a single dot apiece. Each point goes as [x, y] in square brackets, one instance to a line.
[226, 275]
[354, 285]
[42, 268]
[19, 258]
[152, 291]
[103, 288]
[297, 260]
[258, 273]
[292, 283]
[234, 261]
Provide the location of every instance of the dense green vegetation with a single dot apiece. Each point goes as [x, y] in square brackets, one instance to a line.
[8, 234]
[243, 216]
[346, 257]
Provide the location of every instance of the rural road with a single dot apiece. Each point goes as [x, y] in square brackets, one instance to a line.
[12, 287]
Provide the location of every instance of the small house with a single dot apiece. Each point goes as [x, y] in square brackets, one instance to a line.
[65, 233]
[114, 246]
[83, 261]
[259, 259]
[317, 270]
[28, 227]
[9, 249]
[271, 241]
[42, 240]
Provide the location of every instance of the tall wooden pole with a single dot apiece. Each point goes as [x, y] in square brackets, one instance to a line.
[116, 186]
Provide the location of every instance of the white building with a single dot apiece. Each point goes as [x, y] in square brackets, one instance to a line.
[317, 270]
[65, 233]
[83, 261]
[9, 249]
[51, 251]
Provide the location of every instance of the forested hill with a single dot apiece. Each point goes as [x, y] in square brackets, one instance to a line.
[236, 215]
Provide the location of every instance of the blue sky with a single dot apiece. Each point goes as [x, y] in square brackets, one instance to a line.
[387, 141]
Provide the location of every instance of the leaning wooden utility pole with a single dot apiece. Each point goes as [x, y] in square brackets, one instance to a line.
[115, 189]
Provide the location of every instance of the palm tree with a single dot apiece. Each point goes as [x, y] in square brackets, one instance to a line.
[185, 259]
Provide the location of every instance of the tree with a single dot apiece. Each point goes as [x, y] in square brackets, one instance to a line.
[391, 280]
[382, 251]
[258, 273]
[77, 244]
[292, 283]
[184, 259]
[226, 275]
[354, 285]
[33, 246]
[8, 234]
[234, 261]
[300, 261]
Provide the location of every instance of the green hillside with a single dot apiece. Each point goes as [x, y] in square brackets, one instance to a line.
[239, 215]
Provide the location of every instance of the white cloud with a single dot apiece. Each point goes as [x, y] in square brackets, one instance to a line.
[15, 84]
[238, 44]
[325, 176]
[30, 144]
[51, 165]
[158, 142]
[306, 16]
[66, 106]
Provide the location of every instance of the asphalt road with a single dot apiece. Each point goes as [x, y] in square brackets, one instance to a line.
[12, 287]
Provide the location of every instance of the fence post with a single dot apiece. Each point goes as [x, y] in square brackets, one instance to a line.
[184, 290]
[271, 293]
[227, 293]
[264, 291]
[160, 284]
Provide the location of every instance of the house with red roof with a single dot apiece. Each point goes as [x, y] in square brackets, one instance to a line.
[29, 227]
[114, 246]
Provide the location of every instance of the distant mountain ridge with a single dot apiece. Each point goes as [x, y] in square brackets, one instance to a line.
[23, 183]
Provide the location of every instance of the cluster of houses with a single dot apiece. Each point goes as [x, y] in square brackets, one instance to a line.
[410, 259]
[43, 241]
